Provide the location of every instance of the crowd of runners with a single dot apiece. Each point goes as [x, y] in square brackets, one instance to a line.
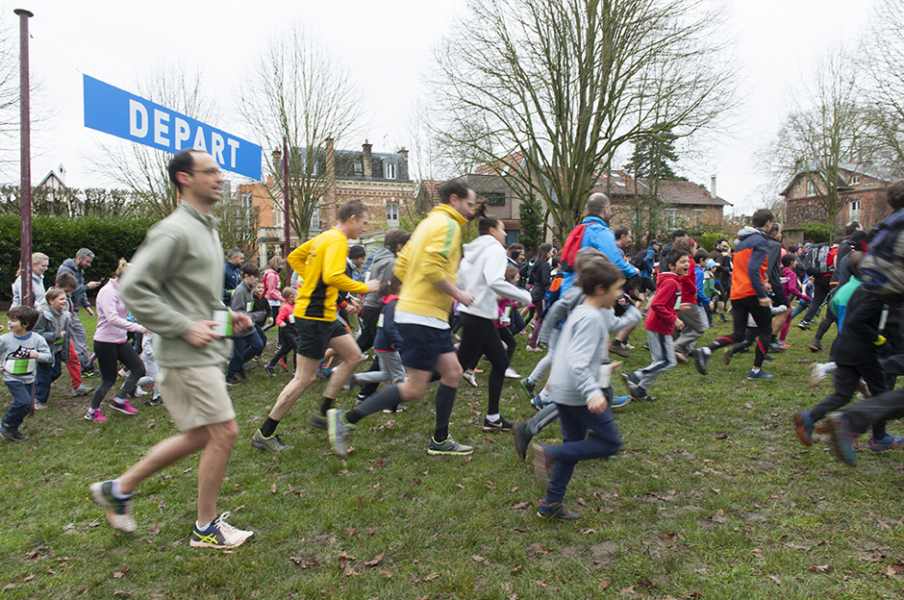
[176, 318]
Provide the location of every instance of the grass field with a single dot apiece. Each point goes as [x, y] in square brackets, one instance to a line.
[712, 497]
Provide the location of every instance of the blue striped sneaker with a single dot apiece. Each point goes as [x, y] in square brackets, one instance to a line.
[118, 510]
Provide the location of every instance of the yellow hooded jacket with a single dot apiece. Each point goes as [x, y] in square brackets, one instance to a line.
[431, 255]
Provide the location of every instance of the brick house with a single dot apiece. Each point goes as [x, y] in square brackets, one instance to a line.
[378, 179]
[861, 186]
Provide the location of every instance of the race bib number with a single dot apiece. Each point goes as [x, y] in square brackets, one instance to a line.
[605, 376]
[678, 301]
[20, 366]
[223, 327]
[249, 306]
[380, 321]
[292, 319]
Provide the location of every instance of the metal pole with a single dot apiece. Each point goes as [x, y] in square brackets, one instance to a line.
[286, 198]
[25, 161]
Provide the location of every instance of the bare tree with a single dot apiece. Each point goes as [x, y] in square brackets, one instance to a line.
[299, 91]
[238, 221]
[141, 169]
[560, 86]
[826, 128]
[884, 88]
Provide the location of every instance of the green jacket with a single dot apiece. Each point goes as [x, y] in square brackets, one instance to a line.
[175, 279]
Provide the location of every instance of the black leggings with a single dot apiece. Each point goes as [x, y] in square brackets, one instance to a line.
[762, 315]
[288, 344]
[109, 354]
[480, 336]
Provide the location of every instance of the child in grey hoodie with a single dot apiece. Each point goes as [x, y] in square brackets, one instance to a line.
[53, 325]
[20, 351]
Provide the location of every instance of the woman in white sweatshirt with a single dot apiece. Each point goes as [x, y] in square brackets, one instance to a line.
[482, 273]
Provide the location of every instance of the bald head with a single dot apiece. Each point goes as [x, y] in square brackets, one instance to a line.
[597, 204]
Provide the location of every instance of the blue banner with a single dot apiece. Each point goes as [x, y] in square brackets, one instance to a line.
[117, 112]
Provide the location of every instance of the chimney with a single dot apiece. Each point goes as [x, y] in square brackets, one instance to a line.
[404, 152]
[368, 159]
[712, 187]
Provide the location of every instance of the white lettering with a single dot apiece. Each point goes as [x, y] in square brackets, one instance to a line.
[233, 146]
[183, 132]
[160, 129]
[200, 144]
[216, 146]
[135, 109]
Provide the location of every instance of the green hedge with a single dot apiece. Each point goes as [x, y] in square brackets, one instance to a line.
[815, 232]
[708, 240]
[61, 237]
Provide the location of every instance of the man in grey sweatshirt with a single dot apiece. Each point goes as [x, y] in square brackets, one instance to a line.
[174, 288]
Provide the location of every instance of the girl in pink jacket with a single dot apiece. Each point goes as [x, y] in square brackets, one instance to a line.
[789, 284]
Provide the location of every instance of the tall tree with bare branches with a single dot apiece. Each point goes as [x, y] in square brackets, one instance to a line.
[562, 85]
[299, 91]
[884, 88]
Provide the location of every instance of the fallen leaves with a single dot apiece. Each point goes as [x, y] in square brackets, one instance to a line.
[520, 506]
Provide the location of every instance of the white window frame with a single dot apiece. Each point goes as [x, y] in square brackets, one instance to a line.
[855, 210]
[670, 215]
[315, 219]
[389, 169]
[392, 212]
[698, 215]
[811, 188]
[855, 179]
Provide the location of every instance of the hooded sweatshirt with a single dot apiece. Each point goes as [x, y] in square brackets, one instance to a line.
[750, 261]
[54, 326]
[482, 273]
[663, 309]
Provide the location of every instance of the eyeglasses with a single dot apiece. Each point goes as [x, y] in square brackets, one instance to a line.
[211, 171]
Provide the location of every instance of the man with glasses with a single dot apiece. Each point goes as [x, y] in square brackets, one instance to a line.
[173, 287]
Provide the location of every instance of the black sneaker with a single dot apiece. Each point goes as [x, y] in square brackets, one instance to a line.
[499, 425]
[776, 348]
[556, 512]
[528, 387]
[804, 326]
[7, 434]
[522, 435]
[317, 420]
[700, 360]
[729, 352]
[155, 401]
[631, 384]
[232, 380]
[448, 446]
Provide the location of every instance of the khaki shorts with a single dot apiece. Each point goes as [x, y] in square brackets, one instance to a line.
[195, 396]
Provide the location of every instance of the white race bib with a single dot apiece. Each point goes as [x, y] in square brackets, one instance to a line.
[20, 366]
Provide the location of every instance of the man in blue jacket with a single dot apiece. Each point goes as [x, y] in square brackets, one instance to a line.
[598, 235]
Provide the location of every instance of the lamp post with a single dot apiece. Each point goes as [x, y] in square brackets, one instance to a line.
[25, 161]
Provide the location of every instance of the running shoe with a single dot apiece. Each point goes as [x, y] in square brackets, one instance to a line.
[511, 373]
[122, 405]
[620, 401]
[270, 370]
[498, 425]
[339, 430]
[817, 373]
[619, 350]
[219, 534]
[118, 510]
[700, 360]
[803, 427]
[528, 387]
[814, 346]
[81, 390]
[470, 378]
[542, 462]
[271, 444]
[729, 352]
[554, 511]
[804, 326]
[521, 433]
[681, 358]
[631, 384]
[448, 446]
[317, 420]
[40, 405]
[784, 345]
[232, 380]
[889, 441]
[95, 416]
[842, 438]
[538, 404]
[761, 374]
[140, 392]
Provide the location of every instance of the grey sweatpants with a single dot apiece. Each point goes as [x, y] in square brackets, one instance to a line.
[663, 359]
[544, 363]
[695, 325]
[391, 369]
[80, 341]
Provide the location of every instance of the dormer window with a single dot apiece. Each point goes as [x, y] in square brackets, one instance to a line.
[855, 180]
[389, 170]
[811, 188]
[359, 167]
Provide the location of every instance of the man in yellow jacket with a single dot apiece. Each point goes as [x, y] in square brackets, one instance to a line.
[320, 262]
[427, 267]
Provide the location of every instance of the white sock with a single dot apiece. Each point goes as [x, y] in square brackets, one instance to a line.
[755, 369]
[116, 489]
[202, 527]
[706, 350]
[493, 418]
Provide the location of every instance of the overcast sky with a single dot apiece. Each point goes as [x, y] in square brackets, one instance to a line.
[388, 45]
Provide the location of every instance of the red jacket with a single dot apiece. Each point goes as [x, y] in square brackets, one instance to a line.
[689, 284]
[663, 309]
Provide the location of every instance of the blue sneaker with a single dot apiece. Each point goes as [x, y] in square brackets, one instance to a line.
[803, 426]
[889, 441]
[556, 512]
[538, 403]
[700, 360]
[761, 374]
[842, 437]
[620, 401]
